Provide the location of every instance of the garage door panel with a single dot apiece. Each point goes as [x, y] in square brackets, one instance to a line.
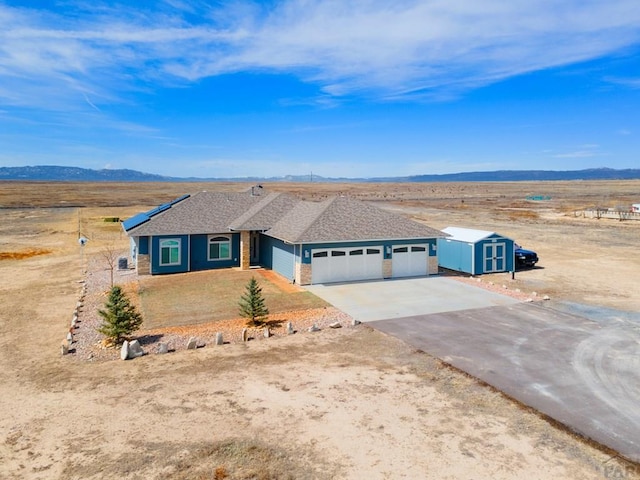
[346, 264]
[410, 261]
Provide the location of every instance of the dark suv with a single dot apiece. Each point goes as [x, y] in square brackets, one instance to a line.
[525, 258]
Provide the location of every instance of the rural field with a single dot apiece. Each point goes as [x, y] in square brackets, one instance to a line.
[349, 403]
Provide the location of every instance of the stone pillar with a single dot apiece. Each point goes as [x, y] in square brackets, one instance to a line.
[143, 265]
[245, 252]
[433, 265]
[386, 268]
[303, 273]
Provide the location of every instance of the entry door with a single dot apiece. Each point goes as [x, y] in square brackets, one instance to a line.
[494, 257]
[254, 256]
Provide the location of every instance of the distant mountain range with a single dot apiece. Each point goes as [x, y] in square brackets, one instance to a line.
[52, 173]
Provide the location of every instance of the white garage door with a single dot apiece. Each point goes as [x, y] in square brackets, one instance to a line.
[346, 264]
[410, 260]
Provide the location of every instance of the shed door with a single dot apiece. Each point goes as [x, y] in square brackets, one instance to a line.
[346, 264]
[494, 257]
[410, 260]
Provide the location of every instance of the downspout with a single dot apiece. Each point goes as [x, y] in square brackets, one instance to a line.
[473, 258]
[293, 276]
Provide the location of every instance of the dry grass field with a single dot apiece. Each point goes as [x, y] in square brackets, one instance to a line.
[349, 403]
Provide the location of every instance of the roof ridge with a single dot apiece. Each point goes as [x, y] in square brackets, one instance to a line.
[328, 202]
[254, 210]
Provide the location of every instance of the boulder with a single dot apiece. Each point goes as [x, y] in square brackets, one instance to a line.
[64, 348]
[124, 351]
[245, 334]
[355, 322]
[192, 344]
[162, 348]
[314, 328]
[267, 332]
[135, 349]
[219, 340]
[335, 325]
[290, 329]
[70, 338]
[546, 297]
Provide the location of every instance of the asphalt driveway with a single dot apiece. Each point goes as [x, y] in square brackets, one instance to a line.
[584, 373]
[405, 297]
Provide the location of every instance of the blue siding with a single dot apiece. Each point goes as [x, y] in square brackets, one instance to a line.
[282, 259]
[155, 255]
[143, 245]
[455, 255]
[199, 253]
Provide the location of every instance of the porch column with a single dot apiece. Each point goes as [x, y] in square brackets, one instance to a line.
[245, 252]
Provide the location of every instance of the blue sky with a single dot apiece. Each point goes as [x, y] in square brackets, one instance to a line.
[359, 88]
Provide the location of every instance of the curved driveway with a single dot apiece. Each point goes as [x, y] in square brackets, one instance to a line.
[583, 373]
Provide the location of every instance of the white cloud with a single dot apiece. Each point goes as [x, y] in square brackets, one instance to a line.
[583, 151]
[407, 48]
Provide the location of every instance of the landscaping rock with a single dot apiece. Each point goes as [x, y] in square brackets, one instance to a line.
[124, 351]
[64, 348]
[314, 328]
[135, 349]
[70, 338]
[245, 334]
[355, 322]
[162, 348]
[546, 297]
[219, 340]
[192, 344]
[335, 325]
[290, 330]
[267, 333]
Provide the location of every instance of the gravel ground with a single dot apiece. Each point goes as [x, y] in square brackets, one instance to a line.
[87, 342]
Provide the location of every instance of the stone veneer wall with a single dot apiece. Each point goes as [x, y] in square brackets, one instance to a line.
[433, 266]
[386, 268]
[245, 258]
[143, 265]
[303, 273]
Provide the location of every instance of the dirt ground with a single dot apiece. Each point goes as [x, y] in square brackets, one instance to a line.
[347, 403]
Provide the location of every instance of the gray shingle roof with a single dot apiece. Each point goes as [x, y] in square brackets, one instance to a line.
[343, 219]
[204, 212]
[284, 217]
[265, 214]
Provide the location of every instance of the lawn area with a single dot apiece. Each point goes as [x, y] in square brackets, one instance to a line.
[200, 297]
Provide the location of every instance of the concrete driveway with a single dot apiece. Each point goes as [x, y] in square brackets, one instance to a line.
[584, 373]
[383, 299]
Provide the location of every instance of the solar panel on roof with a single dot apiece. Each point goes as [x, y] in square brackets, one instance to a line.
[141, 218]
[134, 221]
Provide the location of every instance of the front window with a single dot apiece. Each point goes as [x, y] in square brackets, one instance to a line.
[170, 252]
[219, 248]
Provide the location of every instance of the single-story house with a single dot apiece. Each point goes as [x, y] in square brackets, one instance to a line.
[475, 251]
[339, 239]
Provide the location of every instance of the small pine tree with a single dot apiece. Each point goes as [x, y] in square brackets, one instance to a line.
[252, 305]
[120, 318]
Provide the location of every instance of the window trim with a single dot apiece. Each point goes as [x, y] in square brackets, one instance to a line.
[217, 239]
[162, 246]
